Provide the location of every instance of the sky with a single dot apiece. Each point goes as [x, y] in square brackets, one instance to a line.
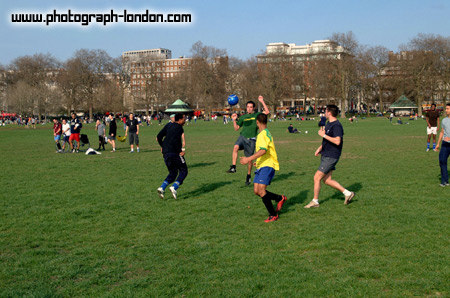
[242, 28]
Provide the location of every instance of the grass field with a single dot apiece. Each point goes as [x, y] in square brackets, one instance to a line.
[77, 225]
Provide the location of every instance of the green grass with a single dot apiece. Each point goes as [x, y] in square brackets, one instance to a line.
[77, 225]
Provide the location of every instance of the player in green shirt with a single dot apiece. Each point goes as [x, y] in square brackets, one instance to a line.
[247, 138]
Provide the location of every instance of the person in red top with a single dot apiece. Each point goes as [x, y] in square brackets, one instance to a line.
[57, 129]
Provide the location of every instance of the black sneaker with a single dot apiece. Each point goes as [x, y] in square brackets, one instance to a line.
[232, 169]
[248, 180]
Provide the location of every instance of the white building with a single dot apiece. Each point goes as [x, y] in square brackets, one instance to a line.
[154, 54]
[315, 48]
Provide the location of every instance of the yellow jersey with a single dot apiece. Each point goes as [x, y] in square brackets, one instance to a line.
[264, 141]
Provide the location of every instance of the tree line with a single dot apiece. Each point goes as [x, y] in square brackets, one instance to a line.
[94, 82]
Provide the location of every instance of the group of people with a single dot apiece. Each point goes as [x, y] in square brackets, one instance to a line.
[255, 136]
[70, 133]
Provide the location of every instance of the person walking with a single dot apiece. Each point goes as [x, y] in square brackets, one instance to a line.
[432, 117]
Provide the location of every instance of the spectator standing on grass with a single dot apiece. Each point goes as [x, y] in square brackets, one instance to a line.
[133, 129]
[112, 132]
[331, 149]
[75, 128]
[323, 121]
[66, 133]
[101, 131]
[57, 129]
[444, 136]
[432, 117]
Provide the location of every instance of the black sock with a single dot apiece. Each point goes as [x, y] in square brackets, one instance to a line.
[268, 203]
[273, 197]
[249, 176]
[58, 145]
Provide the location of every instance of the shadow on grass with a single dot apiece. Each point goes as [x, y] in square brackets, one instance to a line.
[355, 187]
[285, 176]
[149, 150]
[205, 188]
[299, 198]
[201, 164]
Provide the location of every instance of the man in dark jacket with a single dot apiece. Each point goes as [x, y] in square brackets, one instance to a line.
[170, 140]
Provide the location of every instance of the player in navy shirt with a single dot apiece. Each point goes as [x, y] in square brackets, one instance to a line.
[170, 138]
[331, 149]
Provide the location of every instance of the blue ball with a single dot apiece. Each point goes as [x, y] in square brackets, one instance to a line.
[233, 100]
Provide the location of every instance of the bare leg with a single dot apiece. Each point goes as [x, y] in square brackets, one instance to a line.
[235, 154]
[249, 168]
[317, 178]
[333, 183]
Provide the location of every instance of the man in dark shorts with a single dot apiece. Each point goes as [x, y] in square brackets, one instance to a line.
[247, 138]
[331, 150]
[112, 132]
[75, 128]
[169, 138]
[432, 117]
[133, 128]
[57, 130]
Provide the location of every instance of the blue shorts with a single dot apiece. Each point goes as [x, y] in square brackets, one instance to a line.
[57, 138]
[264, 175]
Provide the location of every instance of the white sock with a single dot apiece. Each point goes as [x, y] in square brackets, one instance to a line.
[316, 201]
[346, 193]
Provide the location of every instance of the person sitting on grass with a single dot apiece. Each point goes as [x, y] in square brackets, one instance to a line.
[266, 165]
[291, 129]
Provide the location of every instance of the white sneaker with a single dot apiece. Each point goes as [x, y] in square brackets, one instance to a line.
[349, 198]
[428, 149]
[160, 192]
[312, 204]
[174, 192]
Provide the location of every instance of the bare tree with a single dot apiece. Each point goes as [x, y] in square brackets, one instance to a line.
[426, 67]
[344, 68]
[370, 62]
[209, 73]
[37, 74]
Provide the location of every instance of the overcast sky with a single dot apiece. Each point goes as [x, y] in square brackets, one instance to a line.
[243, 28]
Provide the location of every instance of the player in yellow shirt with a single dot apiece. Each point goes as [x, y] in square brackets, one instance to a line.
[266, 165]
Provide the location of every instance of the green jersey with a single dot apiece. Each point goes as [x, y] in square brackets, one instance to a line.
[248, 124]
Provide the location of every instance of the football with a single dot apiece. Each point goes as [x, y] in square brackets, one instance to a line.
[233, 100]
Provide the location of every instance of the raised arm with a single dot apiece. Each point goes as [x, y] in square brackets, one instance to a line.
[266, 109]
